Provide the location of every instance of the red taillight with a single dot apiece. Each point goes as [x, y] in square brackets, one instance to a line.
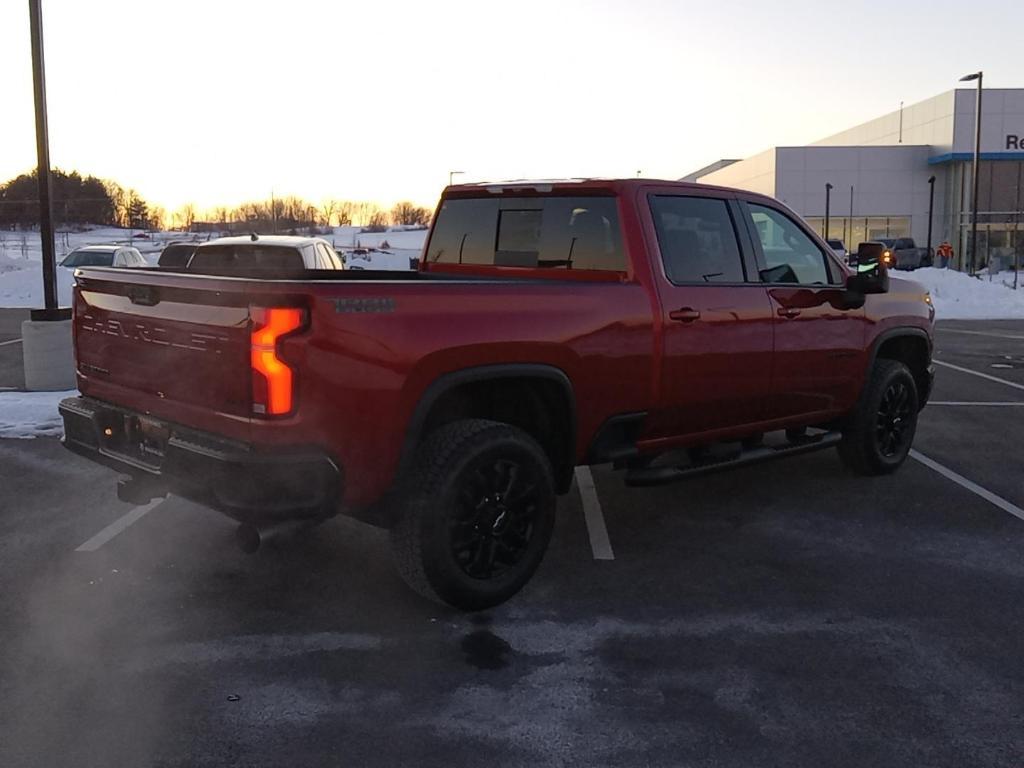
[273, 381]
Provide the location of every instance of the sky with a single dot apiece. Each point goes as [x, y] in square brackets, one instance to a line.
[218, 101]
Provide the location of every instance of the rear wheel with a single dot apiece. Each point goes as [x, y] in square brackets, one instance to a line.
[478, 514]
[880, 431]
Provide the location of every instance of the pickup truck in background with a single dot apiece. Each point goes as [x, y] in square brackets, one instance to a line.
[902, 253]
[669, 329]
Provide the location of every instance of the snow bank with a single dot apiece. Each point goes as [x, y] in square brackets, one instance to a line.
[31, 414]
[958, 296]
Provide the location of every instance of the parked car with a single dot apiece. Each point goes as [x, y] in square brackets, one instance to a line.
[550, 324]
[902, 253]
[176, 255]
[839, 249]
[264, 255]
[104, 256]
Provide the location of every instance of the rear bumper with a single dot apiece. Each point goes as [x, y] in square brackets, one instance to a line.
[227, 475]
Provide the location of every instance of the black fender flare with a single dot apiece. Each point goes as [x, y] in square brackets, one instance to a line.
[449, 381]
[892, 333]
[909, 331]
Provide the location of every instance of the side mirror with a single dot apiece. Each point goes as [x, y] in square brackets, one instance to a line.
[872, 274]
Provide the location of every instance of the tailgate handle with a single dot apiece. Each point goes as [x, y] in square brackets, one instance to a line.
[143, 294]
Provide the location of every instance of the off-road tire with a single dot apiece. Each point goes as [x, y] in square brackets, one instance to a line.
[441, 507]
[889, 402]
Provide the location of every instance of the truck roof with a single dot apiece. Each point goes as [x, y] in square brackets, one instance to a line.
[288, 241]
[100, 248]
[576, 184]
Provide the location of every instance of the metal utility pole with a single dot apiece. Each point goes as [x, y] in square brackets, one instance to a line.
[931, 209]
[828, 198]
[974, 171]
[851, 216]
[35, 14]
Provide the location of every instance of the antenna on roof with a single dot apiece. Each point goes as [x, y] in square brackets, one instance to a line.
[253, 236]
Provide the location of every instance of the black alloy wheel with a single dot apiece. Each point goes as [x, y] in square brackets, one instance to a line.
[478, 513]
[879, 431]
[892, 430]
[496, 518]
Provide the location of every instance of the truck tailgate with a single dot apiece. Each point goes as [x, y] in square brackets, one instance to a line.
[164, 344]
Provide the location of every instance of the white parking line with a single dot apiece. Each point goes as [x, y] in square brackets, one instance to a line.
[599, 542]
[973, 487]
[118, 526]
[959, 402]
[981, 333]
[12, 341]
[1013, 384]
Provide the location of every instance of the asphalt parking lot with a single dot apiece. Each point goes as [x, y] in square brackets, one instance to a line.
[783, 614]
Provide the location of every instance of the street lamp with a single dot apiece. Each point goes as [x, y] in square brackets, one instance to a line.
[828, 198]
[451, 174]
[51, 311]
[974, 172]
[931, 209]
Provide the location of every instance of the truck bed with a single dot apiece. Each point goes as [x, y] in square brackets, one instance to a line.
[176, 346]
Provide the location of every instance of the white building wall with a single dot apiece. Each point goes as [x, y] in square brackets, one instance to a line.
[928, 122]
[756, 173]
[886, 181]
[1002, 113]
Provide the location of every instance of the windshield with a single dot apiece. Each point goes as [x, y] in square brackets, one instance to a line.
[88, 259]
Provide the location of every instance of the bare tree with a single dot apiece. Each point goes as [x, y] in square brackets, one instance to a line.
[120, 199]
[407, 213]
[157, 217]
[344, 212]
[185, 216]
[327, 211]
[378, 219]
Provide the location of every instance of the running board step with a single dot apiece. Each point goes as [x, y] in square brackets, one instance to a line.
[665, 475]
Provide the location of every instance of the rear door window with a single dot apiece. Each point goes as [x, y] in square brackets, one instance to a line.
[540, 232]
[697, 240]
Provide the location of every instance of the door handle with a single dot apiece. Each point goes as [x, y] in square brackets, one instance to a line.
[684, 315]
[788, 312]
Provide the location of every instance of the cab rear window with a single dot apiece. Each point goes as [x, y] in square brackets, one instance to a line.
[534, 232]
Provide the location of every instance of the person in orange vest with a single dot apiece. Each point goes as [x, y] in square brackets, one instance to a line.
[944, 254]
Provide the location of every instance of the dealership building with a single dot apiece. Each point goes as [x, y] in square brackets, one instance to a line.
[880, 172]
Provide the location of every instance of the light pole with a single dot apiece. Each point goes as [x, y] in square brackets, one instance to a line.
[828, 199]
[974, 171]
[453, 173]
[931, 209]
[35, 14]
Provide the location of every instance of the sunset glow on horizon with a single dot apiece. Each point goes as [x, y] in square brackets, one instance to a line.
[213, 103]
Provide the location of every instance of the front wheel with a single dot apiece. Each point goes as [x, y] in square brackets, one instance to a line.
[478, 514]
[879, 432]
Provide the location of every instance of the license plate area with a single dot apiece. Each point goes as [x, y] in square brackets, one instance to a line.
[139, 438]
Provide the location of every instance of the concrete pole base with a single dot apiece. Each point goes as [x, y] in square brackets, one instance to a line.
[49, 355]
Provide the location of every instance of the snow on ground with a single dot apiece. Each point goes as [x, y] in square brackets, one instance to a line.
[31, 414]
[958, 296]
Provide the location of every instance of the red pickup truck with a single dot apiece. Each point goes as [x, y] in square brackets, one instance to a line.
[669, 329]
